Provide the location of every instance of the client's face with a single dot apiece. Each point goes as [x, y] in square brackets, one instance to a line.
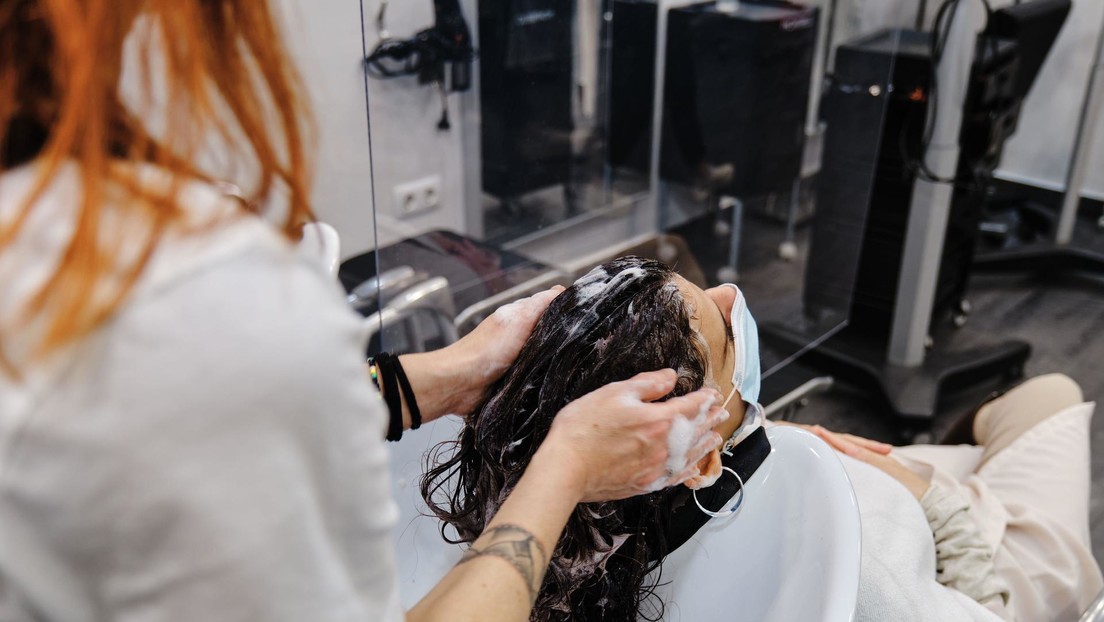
[710, 315]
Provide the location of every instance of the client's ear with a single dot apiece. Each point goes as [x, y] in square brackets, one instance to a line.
[709, 471]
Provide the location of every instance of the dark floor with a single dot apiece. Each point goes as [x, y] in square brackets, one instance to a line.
[1061, 317]
[1064, 323]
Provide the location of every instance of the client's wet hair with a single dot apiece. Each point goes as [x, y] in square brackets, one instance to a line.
[624, 317]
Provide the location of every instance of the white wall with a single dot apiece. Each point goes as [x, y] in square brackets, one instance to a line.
[405, 139]
[326, 41]
[1041, 148]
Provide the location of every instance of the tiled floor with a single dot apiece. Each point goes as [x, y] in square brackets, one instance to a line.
[1062, 319]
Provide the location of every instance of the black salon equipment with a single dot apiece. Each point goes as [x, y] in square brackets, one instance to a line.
[1023, 234]
[441, 55]
[735, 94]
[862, 137]
[441, 52]
[526, 62]
[876, 111]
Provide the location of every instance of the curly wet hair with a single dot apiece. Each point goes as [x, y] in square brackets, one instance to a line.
[625, 317]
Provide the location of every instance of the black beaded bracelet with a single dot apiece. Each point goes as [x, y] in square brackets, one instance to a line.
[387, 377]
[408, 394]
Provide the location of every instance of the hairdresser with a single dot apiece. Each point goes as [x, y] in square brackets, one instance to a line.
[188, 430]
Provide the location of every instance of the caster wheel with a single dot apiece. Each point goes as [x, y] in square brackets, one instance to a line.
[960, 320]
[964, 307]
[721, 228]
[667, 252]
[923, 438]
[727, 274]
[929, 343]
[571, 198]
[787, 251]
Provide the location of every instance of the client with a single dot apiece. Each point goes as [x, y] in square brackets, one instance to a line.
[626, 316]
[998, 529]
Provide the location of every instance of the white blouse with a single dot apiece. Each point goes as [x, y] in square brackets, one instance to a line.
[214, 451]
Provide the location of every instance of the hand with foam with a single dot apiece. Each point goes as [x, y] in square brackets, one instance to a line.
[494, 345]
[617, 441]
[452, 379]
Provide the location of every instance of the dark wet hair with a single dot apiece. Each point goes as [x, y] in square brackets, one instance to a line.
[625, 317]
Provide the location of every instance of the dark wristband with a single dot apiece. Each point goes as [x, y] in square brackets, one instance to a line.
[384, 363]
[408, 394]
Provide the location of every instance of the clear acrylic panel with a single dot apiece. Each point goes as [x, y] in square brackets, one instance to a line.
[547, 124]
[771, 143]
[772, 146]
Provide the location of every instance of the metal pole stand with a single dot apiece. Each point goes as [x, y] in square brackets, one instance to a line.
[1059, 256]
[730, 272]
[908, 364]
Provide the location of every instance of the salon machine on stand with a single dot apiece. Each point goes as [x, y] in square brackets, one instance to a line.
[733, 103]
[1030, 238]
[526, 64]
[913, 236]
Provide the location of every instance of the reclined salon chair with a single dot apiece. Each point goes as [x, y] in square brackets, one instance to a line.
[430, 289]
[414, 309]
[791, 552]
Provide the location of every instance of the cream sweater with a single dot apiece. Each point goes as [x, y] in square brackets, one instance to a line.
[920, 562]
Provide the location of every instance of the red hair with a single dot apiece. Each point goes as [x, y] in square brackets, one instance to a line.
[223, 73]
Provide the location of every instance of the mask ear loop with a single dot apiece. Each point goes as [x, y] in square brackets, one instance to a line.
[731, 330]
[731, 394]
[730, 511]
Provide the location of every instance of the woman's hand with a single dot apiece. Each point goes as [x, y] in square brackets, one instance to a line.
[613, 442]
[494, 345]
[877, 447]
[868, 451]
[484, 354]
[454, 378]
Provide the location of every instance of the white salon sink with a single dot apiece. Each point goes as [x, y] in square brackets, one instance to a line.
[791, 553]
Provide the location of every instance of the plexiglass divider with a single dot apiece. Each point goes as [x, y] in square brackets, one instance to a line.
[564, 167]
[561, 166]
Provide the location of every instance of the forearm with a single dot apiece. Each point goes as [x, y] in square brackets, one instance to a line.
[442, 383]
[963, 560]
[501, 574]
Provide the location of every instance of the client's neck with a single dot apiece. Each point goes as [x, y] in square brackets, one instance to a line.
[738, 412]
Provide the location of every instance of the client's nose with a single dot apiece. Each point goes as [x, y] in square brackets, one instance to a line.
[723, 297]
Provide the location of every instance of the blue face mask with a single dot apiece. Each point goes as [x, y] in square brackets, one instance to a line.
[745, 338]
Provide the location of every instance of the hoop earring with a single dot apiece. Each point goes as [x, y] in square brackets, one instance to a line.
[729, 512]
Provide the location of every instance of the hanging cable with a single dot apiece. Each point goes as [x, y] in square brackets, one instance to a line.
[941, 29]
[447, 44]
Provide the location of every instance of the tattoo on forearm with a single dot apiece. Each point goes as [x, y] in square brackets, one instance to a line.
[518, 547]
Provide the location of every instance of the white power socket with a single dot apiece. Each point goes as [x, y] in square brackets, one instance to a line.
[418, 196]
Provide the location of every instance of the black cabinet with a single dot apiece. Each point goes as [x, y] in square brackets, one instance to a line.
[526, 66]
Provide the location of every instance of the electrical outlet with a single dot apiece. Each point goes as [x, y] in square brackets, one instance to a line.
[418, 196]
